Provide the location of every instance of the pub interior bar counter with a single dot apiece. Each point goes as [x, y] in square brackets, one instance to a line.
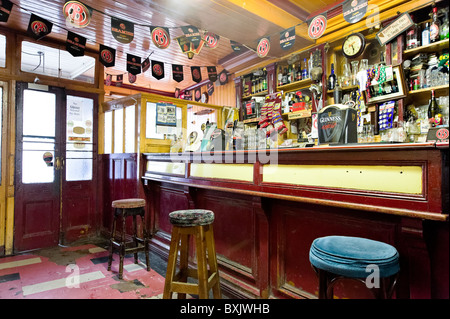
[269, 149]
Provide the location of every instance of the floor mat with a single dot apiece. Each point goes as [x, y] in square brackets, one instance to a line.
[78, 272]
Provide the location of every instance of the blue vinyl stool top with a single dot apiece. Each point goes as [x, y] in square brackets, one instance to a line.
[349, 256]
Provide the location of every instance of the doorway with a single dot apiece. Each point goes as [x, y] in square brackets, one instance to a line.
[55, 175]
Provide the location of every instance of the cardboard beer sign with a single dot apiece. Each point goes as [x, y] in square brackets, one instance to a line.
[337, 124]
[400, 25]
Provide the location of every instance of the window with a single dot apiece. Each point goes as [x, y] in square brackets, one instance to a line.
[2, 51]
[121, 122]
[157, 131]
[49, 61]
[108, 132]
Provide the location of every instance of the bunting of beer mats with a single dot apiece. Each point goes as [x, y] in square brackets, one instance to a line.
[177, 72]
[145, 65]
[263, 47]
[38, 27]
[160, 37]
[235, 46]
[119, 80]
[108, 79]
[133, 64]
[131, 78]
[157, 69]
[211, 39]
[210, 88]
[192, 33]
[317, 26]
[107, 56]
[354, 10]
[187, 95]
[197, 94]
[223, 77]
[75, 44]
[122, 30]
[196, 74]
[77, 14]
[177, 93]
[287, 38]
[212, 73]
[5, 10]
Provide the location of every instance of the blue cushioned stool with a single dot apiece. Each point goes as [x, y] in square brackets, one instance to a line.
[195, 223]
[338, 257]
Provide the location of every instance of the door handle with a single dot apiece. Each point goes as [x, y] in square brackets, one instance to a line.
[58, 163]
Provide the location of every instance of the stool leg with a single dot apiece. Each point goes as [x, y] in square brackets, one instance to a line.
[202, 268]
[171, 263]
[323, 284]
[212, 261]
[135, 236]
[111, 239]
[184, 258]
[122, 245]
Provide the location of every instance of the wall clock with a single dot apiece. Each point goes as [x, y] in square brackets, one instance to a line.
[204, 97]
[353, 45]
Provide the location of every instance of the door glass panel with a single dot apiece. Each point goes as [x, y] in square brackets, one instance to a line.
[118, 131]
[108, 132]
[39, 117]
[1, 127]
[130, 128]
[80, 138]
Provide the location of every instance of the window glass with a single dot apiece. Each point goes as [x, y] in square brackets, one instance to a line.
[1, 128]
[130, 129]
[2, 51]
[157, 131]
[40, 59]
[108, 132]
[118, 131]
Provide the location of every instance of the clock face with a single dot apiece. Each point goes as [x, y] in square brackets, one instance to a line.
[353, 46]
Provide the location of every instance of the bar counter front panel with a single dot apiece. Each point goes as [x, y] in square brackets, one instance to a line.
[269, 207]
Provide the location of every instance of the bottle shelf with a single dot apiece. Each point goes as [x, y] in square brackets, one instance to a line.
[432, 47]
[295, 85]
[345, 88]
[262, 93]
[439, 88]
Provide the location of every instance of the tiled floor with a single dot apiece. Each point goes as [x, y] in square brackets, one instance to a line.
[78, 272]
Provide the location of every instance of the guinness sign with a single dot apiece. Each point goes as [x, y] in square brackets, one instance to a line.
[337, 124]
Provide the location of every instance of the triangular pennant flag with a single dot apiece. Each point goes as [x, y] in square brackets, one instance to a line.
[107, 56]
[131, 78]
[75, 44]
[263, 47]
[38, 27]
[235, 46]
[177, 72]
[5, 10]
[145, 65]
[160, 37]
[177, 93]
[122, 30]
[223, 77]
[192, 33]
[210, 88]
[211, 40]
[119, 80]
[157, 69]
[197, 94]
[196, 74]
[133, 64]
[212, 73]
[77, 14]
[287, 38]
[108, 79]
[354, 10]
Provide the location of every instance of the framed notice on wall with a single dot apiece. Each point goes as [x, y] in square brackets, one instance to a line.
[166, 114]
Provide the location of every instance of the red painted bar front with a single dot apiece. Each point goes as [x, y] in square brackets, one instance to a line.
[264, 228]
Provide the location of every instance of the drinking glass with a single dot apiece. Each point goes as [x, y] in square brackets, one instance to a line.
[355, 72]
[364, 65]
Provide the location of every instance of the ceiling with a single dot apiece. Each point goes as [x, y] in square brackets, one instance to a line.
[238, 20]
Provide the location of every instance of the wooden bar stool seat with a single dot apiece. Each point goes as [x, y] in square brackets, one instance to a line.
[341, 257]
[196, 223]
[124, 208]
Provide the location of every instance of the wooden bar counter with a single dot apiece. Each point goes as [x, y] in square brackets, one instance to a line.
[269, 207]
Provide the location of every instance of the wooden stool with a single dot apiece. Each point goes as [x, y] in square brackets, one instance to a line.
[342, 257]
[124, 208]
[196, 223]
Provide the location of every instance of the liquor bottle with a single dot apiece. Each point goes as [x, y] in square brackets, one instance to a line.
[332, 78]
[280, 76]
[264, 88]
[299, 73]
[253, 85]
[426, 34]
[289, 74]
[337, 94]
[444, 27]
[285, 80]
[305, 69]
[433, 109]
[412, 35]
[435, 27]
[293, 73]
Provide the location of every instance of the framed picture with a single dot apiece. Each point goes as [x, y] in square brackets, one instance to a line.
[393, 88]
[166, 114]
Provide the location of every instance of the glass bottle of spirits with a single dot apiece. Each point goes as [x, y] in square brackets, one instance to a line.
[412, 35]
[426, 34]
[435, 27]
[305, 69]
[332, 78]
[289, 74]
[280, 76]
[264, 81]
[299, 73]
[293, 71]
[285, 80]
[253, 85]
[444, 27]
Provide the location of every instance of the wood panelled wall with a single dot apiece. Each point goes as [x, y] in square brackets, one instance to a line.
[224, 95]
